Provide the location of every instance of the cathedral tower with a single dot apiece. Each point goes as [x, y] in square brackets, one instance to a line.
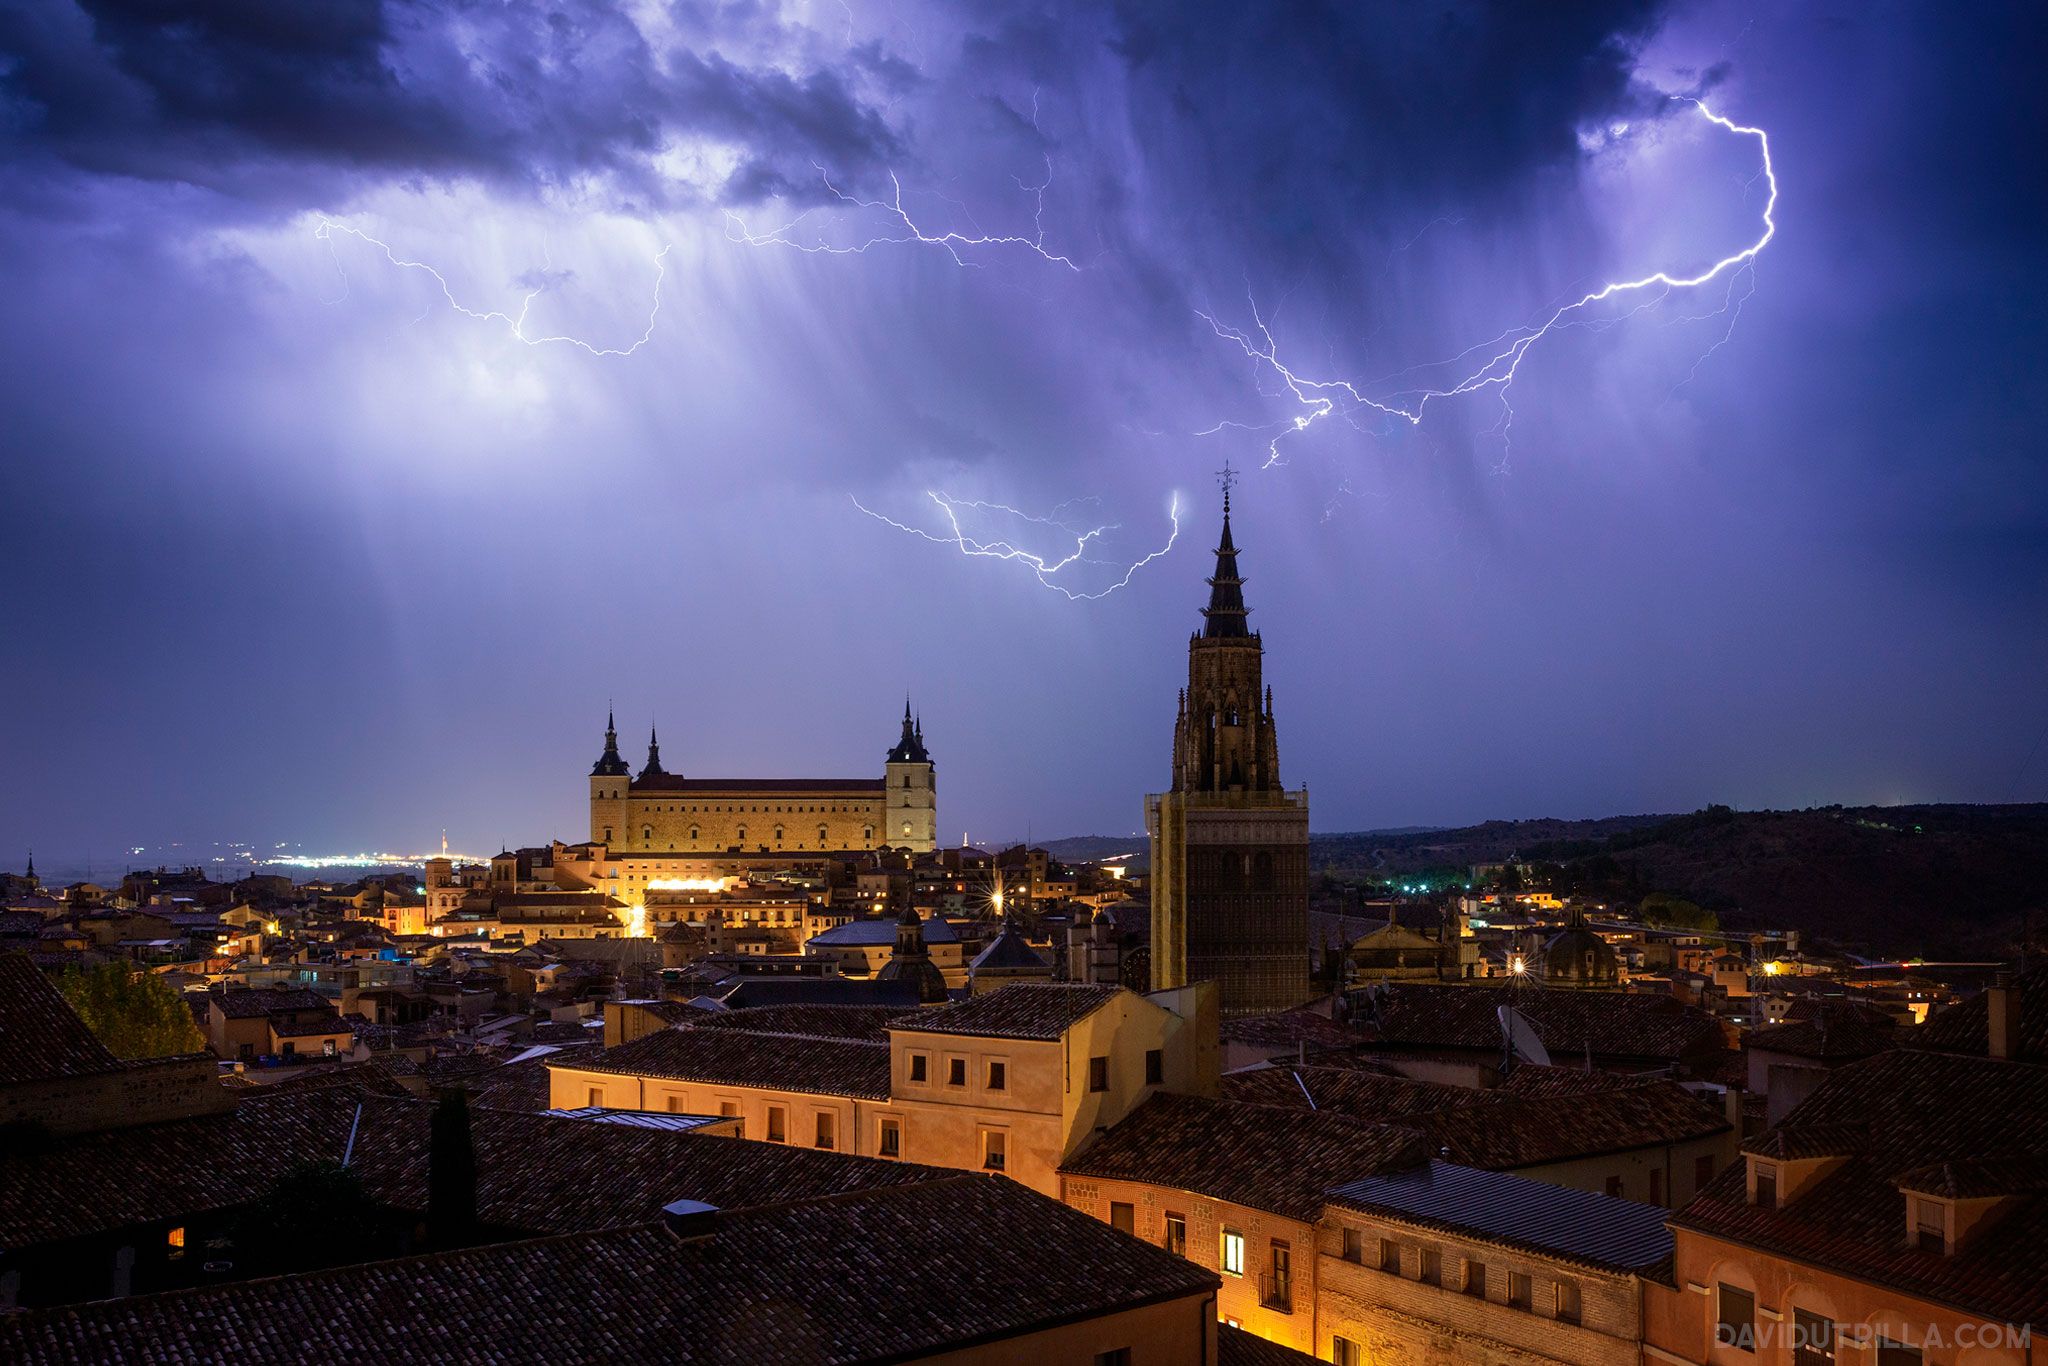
[609, 780]
[910, 803]
[1229, 843]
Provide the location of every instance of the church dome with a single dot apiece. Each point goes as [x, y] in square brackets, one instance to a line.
[1578, 957]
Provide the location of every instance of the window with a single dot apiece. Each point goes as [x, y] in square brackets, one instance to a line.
[1891, 1353]
[824, 1128]
[1657, 1187]
[1813, 1339]
[1702, 1170]
[596, 1099]
[917, 1065]
[891, 1144]
[993, 1151]
[1568, 1301]
[776, 1131]
[956, 1071]
[1098, 1074]
[1155, 1066]
[1930, 1225]
[1519, 1296]
[1233, 1252]
[1390, 1256]
[1766, 1186]
[1122, 1217]
[1429, 1266]
[1278, 1291]
[1115, 1356]
[1735, 1319]
[1614, 1187]
[174, 1243]
[1354, 1245]
[1176, 1234]
[1475, 1278]
[997, 1076]
[1345, 1352]
[730, 1109]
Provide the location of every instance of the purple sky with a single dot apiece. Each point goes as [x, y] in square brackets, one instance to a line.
[296, 549]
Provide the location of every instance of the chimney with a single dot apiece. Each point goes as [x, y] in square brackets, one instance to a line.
[2002, 1016]
[688, 1220]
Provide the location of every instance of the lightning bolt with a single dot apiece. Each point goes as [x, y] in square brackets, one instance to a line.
[1044, 569]
[514, 322]
[1501, 356]
[912, 232]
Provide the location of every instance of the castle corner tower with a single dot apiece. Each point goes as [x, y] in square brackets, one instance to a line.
[1229, 843]
[911, 799]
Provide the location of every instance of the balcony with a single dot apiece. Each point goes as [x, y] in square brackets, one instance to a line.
[1277, 1292]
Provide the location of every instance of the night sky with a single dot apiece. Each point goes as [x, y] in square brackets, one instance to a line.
[295, 548]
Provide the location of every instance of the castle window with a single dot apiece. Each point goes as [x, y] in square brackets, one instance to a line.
[646, 832]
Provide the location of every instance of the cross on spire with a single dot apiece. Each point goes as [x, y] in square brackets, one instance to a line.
[1226, 477]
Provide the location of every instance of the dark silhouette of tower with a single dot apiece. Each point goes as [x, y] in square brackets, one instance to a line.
[1229, 843]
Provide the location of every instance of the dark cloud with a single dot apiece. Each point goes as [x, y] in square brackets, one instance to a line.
[273, 101]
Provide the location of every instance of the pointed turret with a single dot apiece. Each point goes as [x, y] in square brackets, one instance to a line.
[910, 746]
[609, 764]
[653, 769]
[1226, 612]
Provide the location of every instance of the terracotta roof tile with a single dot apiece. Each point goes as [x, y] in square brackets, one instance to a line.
[736, 1057]
[1021, 1010]
[41, 1037]
[844, 1280]
[1260, 1156]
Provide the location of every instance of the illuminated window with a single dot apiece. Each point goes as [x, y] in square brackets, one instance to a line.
[891, 1144]
[994, 1149]
[1176, 1234]
[174, 1242]
[997, 1076]
[1233, 1252]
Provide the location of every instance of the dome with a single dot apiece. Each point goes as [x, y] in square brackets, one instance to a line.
[1579, 957]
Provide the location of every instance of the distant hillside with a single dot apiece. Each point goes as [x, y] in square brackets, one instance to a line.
[1948, 881]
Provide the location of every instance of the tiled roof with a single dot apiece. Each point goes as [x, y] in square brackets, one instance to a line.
[1963, 1027]
[855, 1279]
[670, 782]
[254, 1003]
[1541, 1115]
[1259, 1156]
[330, 1023]
[1976, 1178]
[535, 1173]
[806, 1021]
[1236, 1347]
[1905, 1110]
[735, 1057]
[41, 1037]
[1799, 1140]
[1615, 1025]
[1831, 1031]
[1021, 1010]
[1009, 950]
[1287, 1030]
[741, 993]
[1598, 1230]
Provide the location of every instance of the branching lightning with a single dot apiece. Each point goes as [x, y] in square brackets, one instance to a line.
[1046, 570]
[514, 322]
[1503, 354]
[912, 231]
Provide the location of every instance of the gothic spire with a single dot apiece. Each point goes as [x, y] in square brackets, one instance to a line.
[609, 764]
[910, 746]
[653, 769]
[1226, 612]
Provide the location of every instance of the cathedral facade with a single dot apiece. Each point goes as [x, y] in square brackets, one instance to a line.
[658, 812]
[1229, 842]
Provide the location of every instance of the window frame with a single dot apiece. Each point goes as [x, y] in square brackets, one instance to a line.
[1232, 1242]
[1098, 1075]
[1744, 1338]
[1155, 1067]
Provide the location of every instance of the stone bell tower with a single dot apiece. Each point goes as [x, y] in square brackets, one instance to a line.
[1229, 842]
[910, 802]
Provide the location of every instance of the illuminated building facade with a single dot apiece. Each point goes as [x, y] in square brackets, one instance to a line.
[658, 812]
[1229, 842]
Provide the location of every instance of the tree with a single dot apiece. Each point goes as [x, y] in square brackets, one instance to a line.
[135, 1014]
[1664, 909]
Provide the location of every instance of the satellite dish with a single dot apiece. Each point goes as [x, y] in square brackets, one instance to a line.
[1520, 1037]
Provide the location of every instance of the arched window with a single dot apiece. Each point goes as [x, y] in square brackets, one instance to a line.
[1262, 871]
[647, 832]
